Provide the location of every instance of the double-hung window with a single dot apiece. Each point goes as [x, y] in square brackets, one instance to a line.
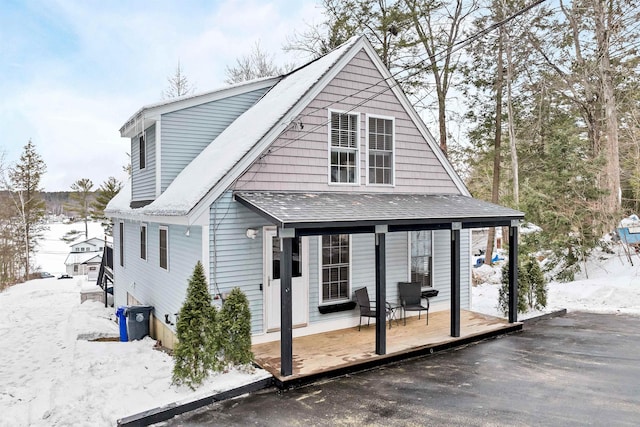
[421, 258]
[143, 241]
[380, 145]
[335, 268]
[343, 142]
[164, 247]
[142, 148]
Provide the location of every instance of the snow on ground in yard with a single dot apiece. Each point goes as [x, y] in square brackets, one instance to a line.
[611, 285]
[53, 375]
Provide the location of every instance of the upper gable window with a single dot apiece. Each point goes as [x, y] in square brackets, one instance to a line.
[381, 149]
[143, 151]
[343, 141]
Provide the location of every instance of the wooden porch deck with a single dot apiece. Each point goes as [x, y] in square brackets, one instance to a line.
[338, 352]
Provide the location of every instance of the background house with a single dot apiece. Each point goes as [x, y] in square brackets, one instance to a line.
[85, 258]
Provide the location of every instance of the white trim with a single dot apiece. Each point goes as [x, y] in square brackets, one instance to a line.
[142, 136]
[146, 242]
[433, 256]
[160, 229]
[393, 149]
[357, 166]
[320, 264]
[206, 264]
[158, 156]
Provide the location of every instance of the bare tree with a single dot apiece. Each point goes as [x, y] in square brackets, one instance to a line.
[179, 84]
[255, 65]
[81, 195]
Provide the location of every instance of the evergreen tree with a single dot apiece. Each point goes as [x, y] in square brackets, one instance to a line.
[105, 193]
[81, 195]
[24, 187]
[196, 353]
[234, 322]
[532, 289]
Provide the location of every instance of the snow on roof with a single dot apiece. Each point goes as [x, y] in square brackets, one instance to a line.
[120, 202]
[218, 158]
[82, 257]
[195, 99]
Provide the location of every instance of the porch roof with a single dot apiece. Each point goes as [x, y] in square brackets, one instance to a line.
[319, 213]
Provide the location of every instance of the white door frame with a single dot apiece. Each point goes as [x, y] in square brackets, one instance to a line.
[299, 285]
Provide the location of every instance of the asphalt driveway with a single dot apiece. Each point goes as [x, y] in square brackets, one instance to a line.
[576, 370]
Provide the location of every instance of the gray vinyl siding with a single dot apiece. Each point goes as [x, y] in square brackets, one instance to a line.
[185, 133]
[442, 267]
[300, 161]
[362, 271]
[165, 290]
[144, 180]
[235, 260]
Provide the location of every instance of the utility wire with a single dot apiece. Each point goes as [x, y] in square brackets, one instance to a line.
[456, 46]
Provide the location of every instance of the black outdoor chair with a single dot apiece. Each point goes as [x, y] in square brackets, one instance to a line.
[367, 309]
[411, 299]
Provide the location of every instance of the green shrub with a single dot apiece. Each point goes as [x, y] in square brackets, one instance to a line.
[234, 326]
[196, 352]
[532, 289]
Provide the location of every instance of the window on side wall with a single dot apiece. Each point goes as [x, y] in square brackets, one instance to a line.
[164, 247]
[343, 142]
[142, 145]
[121, 246]
[380, 149]
[143, 241]
[421, 257]
[335, 268]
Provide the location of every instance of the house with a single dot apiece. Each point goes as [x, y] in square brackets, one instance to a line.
[297, 189]
[91, 245]
[85, 258]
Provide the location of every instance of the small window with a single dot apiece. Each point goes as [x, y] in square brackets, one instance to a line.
[92, 268]
[335, 268]
[121, 248]
[380, 151]
[75, 268]
[164, 248]
[143, 151]
[143, 241]
[421, 259]
[343, 141]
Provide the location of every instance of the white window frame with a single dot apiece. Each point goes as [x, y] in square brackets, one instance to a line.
[160, 230]
[356, 150]
[393, 150]
[321, 302]
[431, 278]
[121, 245]
[146, 241]
[142, 147]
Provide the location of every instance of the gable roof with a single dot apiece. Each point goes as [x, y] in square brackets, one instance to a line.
[243, 141]
[94, 241]
[83, 258]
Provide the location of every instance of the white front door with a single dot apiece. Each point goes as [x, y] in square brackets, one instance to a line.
[299, 280]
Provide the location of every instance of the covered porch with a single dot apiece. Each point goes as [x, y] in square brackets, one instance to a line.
[346, 350]
[321, 214]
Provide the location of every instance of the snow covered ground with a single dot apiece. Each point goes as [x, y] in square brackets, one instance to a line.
[52, 374]
[611, 285]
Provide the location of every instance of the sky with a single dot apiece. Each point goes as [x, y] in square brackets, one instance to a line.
[73, 72]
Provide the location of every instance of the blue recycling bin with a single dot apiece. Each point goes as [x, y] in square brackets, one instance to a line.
[122, 322]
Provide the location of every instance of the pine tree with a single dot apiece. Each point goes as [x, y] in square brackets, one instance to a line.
[105, 193]
[81, 194]
[532, 289]
[234, 322]
[196, 353]
[24, 187]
